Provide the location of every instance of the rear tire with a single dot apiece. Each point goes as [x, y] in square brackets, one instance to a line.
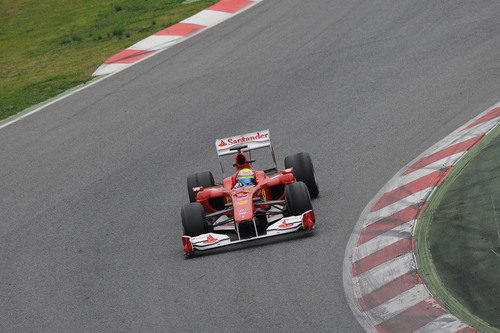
[297, 199]
[303, 171]
[193, 219]
[205, 179]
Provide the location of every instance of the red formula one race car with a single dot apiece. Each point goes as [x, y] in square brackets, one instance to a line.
[250, 204]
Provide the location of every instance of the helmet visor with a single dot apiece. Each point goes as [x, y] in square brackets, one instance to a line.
[246, 180]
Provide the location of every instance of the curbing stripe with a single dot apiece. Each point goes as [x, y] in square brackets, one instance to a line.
[127, 56]
[447, 322]
[415, 175]
[381, 256]
[230, 6]
[399, 304]
[208, 18]
[490, 115]
[413, 318]
[382, 283]
[391, 236]
[155, 42]
[390, 290]
[383, 225]
[411, 200]
[467, 330]
[180, 29]
[409, 189]
[377, 277]
[447, 152]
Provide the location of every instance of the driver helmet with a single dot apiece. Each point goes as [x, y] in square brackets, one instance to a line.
[245, 177]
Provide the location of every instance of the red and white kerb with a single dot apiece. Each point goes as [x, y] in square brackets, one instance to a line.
[381, 278]
[172, 35]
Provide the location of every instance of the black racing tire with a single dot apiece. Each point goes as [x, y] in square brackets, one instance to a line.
[193, 219]
[303, 171]
[297, 199]
[205, 179]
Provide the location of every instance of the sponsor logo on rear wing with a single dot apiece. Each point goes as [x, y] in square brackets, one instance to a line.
[255, 140]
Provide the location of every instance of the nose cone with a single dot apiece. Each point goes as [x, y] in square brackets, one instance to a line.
[243, 207]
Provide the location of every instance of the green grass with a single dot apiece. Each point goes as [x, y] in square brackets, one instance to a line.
[457, 240]
[49, 46]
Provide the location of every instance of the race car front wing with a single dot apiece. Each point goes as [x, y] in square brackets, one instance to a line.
[284, 225]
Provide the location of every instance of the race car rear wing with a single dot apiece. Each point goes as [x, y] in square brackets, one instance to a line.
[247, 142]
[256, 140]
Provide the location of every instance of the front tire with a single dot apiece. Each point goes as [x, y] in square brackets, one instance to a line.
[205, 179]
[193, 219]
[297, 199]
[303, 171]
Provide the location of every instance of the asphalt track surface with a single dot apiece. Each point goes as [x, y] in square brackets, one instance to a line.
[91, 187]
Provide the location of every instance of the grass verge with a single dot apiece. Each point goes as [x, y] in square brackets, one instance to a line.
[457, 236]
[49, 46]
